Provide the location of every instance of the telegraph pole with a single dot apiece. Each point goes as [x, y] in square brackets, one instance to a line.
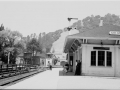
[69, 28]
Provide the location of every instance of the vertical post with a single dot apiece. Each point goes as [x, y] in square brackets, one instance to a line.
[69, 28]
[105, 58]
[68, 56]
[8, 57]
[74, 62]
[78, 53]
[69, 19]
[75, 58]
[69, 59]
[97, 58]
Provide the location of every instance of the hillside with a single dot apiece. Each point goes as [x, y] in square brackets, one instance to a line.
[49, 38]
[58, 45]
[56, 39]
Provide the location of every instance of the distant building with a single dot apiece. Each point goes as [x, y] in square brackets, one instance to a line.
[20, 59]
[60, 57]
[27, 58]
[97, 49]
[49, 59]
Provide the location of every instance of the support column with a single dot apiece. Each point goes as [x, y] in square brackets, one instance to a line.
[78, 54]
[8, 57]
[74, 62]
[68, 58]
[116, 62]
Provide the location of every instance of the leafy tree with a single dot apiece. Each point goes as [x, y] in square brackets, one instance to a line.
[28, 38]
[40, 41]
[49, 38]
[95, 21]
[13, 35]
[53, 50]
[2, 27]
[111, 19]
[33, 46]
[77, 25]
[48, 50]
[8, 41]
[91, 22]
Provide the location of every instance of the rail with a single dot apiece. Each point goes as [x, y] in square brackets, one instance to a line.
[8, 70]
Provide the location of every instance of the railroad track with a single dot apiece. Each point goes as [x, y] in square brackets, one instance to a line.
[13, 80]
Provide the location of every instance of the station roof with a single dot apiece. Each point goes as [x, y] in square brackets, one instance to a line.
[102, 32]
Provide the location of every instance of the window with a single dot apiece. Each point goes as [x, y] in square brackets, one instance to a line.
[93, 58]
[101, 58]
[109, 58]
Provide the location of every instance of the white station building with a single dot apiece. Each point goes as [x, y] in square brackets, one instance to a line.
[98, 50]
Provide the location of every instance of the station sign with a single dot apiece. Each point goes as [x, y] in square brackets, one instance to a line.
[114, 32]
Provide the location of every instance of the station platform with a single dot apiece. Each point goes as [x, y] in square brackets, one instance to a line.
[53, 79]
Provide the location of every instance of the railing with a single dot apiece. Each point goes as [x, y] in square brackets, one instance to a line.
[7, 70]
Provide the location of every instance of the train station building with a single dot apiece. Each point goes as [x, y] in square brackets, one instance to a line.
[98, 50]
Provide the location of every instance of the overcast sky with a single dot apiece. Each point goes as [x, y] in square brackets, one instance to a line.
[47, 16]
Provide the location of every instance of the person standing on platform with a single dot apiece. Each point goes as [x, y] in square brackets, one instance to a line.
[66, 67]
[78, 68]
[49, 65]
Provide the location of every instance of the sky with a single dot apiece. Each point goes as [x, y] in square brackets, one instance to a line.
[37, 16]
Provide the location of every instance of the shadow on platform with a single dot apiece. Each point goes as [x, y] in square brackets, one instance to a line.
[62, 73]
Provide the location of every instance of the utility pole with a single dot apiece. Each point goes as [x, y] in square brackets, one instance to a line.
[69, 28]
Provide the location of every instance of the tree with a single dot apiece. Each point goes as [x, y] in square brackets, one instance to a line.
[28, 38]
[40, 41]
[2, 27]
[13, 37]
[77, 25]
[95, 21]
[53, 50]
[18, 49]
[8, 41]
[33, 46]
[111, 19]
[91, 22]
[48, 49]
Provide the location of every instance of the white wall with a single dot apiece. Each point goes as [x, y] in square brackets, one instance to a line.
[87, 69]
[117, 57]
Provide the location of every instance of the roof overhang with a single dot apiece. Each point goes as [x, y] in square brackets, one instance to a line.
[105, 32]
[102, 38]
[70, 41]
[71, 44]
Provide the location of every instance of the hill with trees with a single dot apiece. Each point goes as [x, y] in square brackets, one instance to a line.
[88, 23]
[13, 43]
[92, 21]
[45, 40]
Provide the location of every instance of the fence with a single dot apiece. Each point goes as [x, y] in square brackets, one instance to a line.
[7, 70]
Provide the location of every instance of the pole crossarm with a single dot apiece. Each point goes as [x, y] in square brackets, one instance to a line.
[69, 19]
